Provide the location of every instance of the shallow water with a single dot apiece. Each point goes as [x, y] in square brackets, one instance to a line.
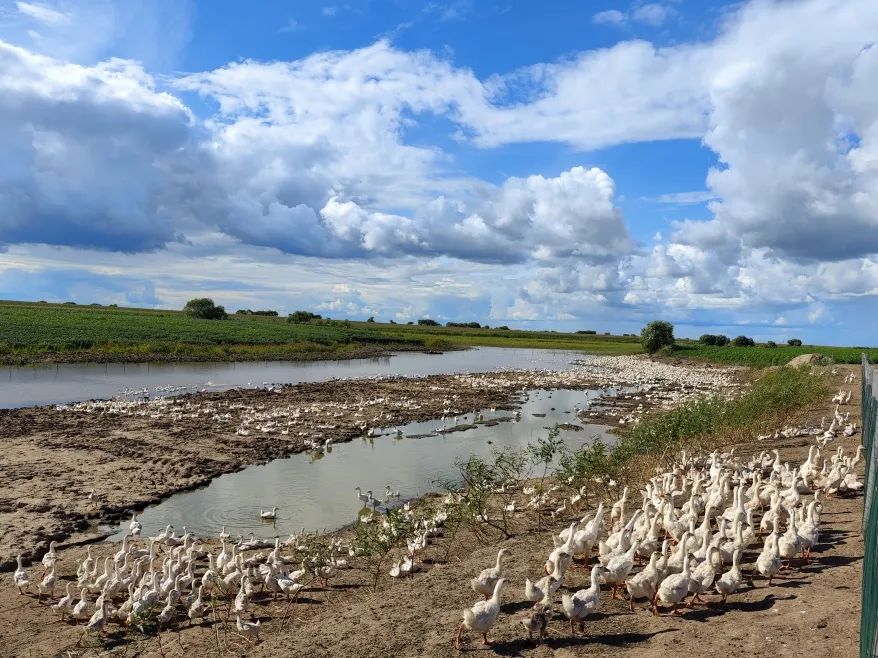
[319, 493]
[75, 382]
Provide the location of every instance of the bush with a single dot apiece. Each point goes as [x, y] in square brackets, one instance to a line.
[204, 309]
[743, 341]
[301, 317]
[794, 342]
[371, 318]
[427, 322]
[707, 339]
[770, 343]
[502, 327]
[656, 335]
[247, 311]
[721, 340]
[589, 332]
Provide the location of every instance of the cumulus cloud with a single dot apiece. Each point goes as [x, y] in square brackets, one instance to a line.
[86, 151]
[313, 157]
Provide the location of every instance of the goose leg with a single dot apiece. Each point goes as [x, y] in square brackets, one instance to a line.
[456, 640]
[572, 630]
[485, 639]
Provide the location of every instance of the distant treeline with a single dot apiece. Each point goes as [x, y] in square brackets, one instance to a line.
[247, 311]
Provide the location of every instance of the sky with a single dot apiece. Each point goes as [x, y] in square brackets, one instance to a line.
[560, 165]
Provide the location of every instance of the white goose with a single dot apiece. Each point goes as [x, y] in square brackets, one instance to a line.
[731, 580]
[673, 589]
[485, 583]
[583, 602]
[481, 616]
[20, 577]
[271, 515]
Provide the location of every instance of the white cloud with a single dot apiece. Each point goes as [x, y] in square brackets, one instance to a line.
[609, 17]
[313, 157]
[686, 198]
[652, 14]
[42, 13]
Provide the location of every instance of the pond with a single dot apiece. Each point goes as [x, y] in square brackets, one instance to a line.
[318, 492]
[75, 382]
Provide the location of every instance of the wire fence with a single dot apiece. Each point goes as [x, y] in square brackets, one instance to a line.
[869, 614]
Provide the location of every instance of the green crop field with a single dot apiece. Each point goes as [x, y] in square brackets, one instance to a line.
[32, 332]
[761, 356]
[41, 332]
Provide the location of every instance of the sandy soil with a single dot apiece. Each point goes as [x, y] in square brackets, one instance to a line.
[813, 610]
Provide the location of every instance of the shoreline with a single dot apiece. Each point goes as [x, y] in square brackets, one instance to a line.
[133, 454]
[88, 357]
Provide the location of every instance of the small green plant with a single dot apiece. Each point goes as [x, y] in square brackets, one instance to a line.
[543, 453]
[655, 335]
[375, 540]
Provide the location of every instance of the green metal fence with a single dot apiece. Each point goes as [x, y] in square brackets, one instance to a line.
[869, 614]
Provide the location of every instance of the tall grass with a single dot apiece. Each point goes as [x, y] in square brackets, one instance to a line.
[772, 400]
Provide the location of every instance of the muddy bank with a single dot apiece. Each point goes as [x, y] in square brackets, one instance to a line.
[67, 467]
[809, 610]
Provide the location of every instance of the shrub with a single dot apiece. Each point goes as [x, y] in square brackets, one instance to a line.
[371, 318]
[502, 327]
[204, 309]
[794, 342]
[707, 339]
[656, 335]
[770, 343]
[721, 340]
[427, 322]
[589, 332]
[743, 341]
[301, 317]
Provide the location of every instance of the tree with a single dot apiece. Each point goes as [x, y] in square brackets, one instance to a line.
[205, 309]
[426, 322]
[656, 335]
[707, 339]
[722, 340]
[371, 318]
[770, 343]
[301, 317]
[794, 342]
[743, 341]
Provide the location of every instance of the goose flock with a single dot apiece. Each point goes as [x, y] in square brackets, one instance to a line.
[706, 525]
[648, 382]
[171, 580]
[693, 528]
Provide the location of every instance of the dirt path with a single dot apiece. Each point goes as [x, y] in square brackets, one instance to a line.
[809, 611]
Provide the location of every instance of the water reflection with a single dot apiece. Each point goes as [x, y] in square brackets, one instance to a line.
[317, 491]
[74, 382]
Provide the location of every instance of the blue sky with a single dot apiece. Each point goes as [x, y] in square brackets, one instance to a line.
[559, 164]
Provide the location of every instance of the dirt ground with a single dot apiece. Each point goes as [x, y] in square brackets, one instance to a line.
[812, 610]
[133, 454]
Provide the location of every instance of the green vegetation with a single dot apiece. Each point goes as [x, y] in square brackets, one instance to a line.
[743, 341]
[204, 309]
[40, 332]
[714, 339]
[771, 401]
[762, 356]
[656, 335]
[33, 332]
